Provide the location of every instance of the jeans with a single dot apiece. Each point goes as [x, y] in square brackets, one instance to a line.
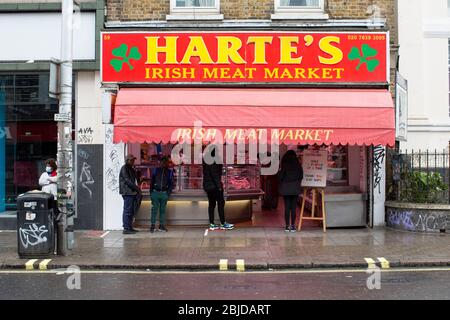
[128, 211]
[159, 203]
[290, 208]
[214, 197]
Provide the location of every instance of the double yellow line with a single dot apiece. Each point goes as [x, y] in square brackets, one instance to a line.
[240, 265]
[371, 264]
[31, 264]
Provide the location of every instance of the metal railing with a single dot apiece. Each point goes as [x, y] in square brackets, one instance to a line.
[421, 177]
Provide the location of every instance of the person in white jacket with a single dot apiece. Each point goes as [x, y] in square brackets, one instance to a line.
[49, 179]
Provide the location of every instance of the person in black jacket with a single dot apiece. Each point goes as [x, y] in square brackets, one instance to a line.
[212, 184]
[130, 191]
[290, 177]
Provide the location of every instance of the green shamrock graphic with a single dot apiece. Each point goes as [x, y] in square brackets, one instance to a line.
[367, 52]
[121, 52]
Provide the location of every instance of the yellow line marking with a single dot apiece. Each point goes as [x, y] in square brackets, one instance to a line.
[43, 264]
[370, 263]
[29, 264]
[240, 265]
[223, 264]
[384, 263]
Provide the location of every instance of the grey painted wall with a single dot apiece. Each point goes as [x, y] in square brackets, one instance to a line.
[89, 187]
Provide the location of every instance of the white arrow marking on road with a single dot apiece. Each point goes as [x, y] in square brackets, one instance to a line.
[104, 235]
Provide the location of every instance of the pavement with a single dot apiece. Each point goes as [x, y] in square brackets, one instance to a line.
[260, 248]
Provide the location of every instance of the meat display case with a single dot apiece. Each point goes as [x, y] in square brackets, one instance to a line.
[188, 179]
[240, 181]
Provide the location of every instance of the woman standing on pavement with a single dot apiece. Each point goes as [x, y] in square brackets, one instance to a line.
[290, 177]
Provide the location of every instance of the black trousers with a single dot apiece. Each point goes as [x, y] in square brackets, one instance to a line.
[290, 209]
[214, 197]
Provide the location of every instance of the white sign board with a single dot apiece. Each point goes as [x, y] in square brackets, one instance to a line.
[37, 35]
[62, 117]
[315, 164]
[401, 108]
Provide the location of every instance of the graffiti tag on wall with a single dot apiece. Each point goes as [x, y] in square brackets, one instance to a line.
[85, 135]
[378, 161]
[421, 221]
[86, 178]
[113, 170]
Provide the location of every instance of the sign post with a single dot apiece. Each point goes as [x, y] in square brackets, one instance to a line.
[314, 180]
[64, 118]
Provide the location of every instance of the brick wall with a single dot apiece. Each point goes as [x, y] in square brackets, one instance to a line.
[126, 10]
[137, 10]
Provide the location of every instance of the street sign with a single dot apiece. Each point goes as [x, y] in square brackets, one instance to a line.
[62, 117]
[401, 108]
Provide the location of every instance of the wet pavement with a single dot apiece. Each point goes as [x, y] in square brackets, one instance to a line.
[418, 284]
[261, 248]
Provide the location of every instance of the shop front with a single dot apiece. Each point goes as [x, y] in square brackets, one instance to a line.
[28, 133]
[256, 95]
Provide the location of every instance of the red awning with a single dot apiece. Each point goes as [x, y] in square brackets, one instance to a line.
[304, 116]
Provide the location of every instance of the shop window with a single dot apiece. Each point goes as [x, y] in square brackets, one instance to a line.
[194, 10]
[449, 77]
[30, 133]
[299, 9]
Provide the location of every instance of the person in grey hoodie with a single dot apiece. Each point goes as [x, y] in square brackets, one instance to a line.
[290, 177]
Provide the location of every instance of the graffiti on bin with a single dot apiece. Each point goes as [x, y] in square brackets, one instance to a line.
[33, 235]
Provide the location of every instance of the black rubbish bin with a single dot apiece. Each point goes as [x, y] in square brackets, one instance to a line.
[35, 224]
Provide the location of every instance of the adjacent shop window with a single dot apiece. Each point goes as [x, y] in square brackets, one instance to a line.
[29, 133]
[193, 8]
[449, 77]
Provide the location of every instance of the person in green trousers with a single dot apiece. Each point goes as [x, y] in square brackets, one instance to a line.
[160, 189]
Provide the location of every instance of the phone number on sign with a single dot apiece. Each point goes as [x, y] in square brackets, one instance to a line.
[367, 37]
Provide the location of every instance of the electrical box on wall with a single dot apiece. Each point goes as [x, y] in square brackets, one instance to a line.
[54, 81]
[107, 107]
